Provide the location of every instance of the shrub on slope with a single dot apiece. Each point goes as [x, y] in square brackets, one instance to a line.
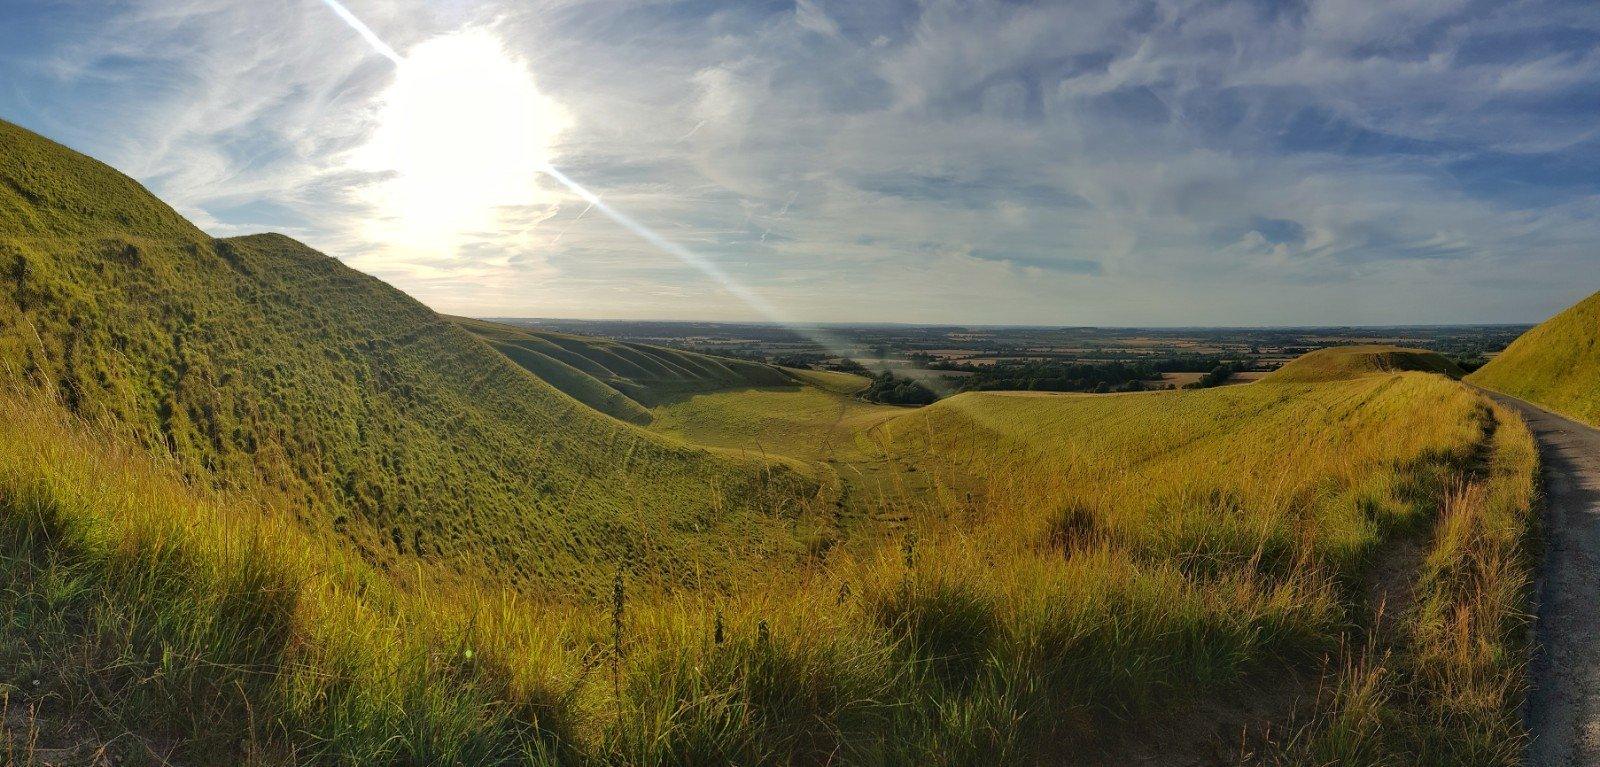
[1556, 364]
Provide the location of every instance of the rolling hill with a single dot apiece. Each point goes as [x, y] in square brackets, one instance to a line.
[257, 362]
[595, 371]
[258, 508]
[1242, 495]
[1556, 364]
[1344, 362]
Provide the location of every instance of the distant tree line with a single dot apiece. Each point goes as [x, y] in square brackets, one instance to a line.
[1045, 375]
[847, 365]
[1177, 363]
[802, 360]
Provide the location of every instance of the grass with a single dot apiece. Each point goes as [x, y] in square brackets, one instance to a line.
[1555, 365]
[808, 423]
[257, 508]
[1342, 362]
[1442, 684]
[258, 362]
[592, 370]
[137, 597]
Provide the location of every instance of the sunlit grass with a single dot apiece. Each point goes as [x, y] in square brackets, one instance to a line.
[1555, 365]
[1093, 592]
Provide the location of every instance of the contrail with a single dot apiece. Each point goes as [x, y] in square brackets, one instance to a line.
[574, 223]
[812, 333]
[365, 31]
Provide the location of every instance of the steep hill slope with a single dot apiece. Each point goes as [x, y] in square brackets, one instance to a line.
[618, 378]
[1062, 570]
[258, 361]
[1339, 363]
[1556, 365]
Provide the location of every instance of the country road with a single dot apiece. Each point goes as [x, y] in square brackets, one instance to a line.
[1564, 704]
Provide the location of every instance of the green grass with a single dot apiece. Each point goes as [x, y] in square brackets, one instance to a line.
[831, 380]
[807, 423]
[1556, 365]
[592, 369]
[1340, 362]
[257, 362]
[258, 508]
[1441, 683]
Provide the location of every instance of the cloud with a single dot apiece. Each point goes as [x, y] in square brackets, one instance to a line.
[975, 161]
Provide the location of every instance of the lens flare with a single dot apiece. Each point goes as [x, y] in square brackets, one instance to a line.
[705, 266]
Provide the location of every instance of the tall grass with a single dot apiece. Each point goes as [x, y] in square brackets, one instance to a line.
[1049, 609]
[1442, 686]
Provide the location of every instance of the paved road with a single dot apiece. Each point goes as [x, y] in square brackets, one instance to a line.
[1564, 705]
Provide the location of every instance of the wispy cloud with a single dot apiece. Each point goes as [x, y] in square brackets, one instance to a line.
[1099, 162]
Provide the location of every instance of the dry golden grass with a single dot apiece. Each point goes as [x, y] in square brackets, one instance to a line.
[409, 559]
[1113, 557]
[1555, 365]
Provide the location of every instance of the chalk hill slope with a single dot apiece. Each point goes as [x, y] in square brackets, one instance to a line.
[618, 378]
[1340, 363]
[1556, 365]
[259, 363]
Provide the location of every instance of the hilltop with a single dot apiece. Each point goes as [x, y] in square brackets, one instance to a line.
[1340, 363]
[1556, 364]
[260, 364]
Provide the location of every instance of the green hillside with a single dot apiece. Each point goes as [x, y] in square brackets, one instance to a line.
[1556, 364]
[595, 371]
[257, 508]
[256, 361]
[1243, 519]
[1344, 362]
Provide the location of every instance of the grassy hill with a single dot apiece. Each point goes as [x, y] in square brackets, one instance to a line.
[1556, 365]
[1343, 362]
[1223, 506]
[622, 379]
[258, 362]
[257, 508]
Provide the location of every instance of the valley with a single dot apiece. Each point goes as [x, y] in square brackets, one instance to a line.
[259, 508]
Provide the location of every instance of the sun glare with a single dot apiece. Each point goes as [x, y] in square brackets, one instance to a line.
[464, 131]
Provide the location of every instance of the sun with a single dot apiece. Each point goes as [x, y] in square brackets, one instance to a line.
[462, 134]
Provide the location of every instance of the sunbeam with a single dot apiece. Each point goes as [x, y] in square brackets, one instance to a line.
[365, 31]
[702, 264]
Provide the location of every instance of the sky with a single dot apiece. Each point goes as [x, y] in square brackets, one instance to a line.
[1223, 162]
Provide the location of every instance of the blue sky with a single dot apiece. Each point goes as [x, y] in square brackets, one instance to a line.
[1107, 163]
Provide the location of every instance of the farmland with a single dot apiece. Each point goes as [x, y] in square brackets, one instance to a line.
[948, 354]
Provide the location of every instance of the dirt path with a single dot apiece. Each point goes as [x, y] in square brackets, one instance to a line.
[1564, 705]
